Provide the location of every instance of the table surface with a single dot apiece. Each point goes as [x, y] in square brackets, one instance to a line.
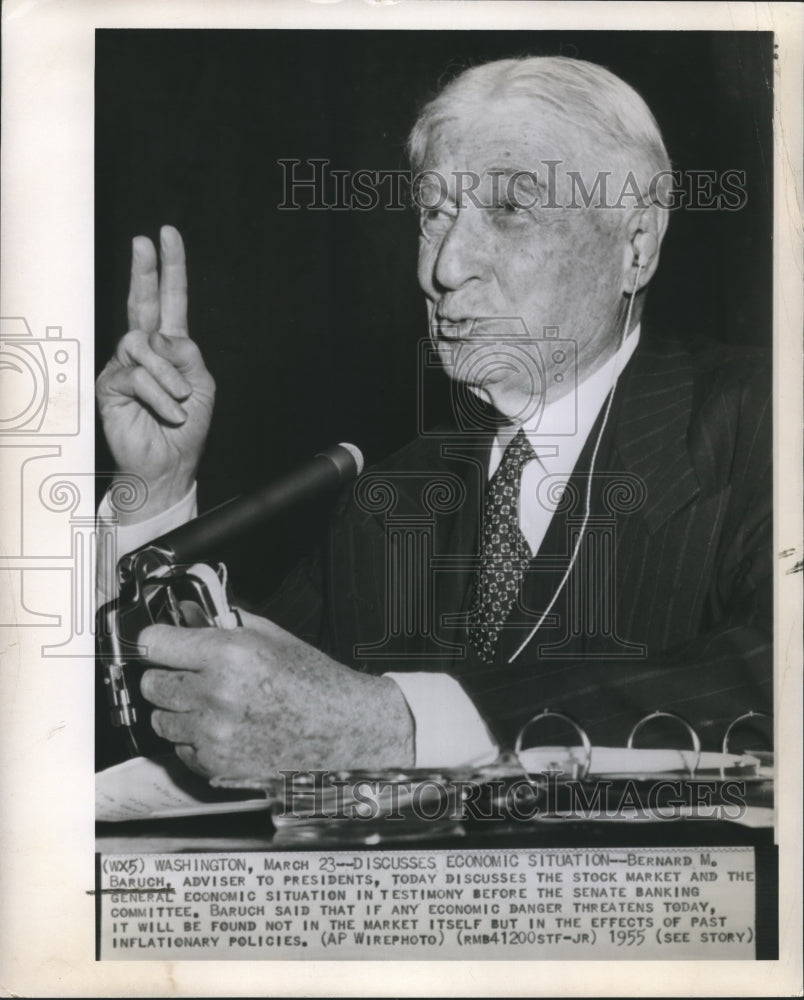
[254, 831]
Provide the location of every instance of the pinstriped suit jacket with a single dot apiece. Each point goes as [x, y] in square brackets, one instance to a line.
[669, 604]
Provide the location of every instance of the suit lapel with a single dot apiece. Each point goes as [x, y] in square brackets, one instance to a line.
[646, 438]
[651, 435]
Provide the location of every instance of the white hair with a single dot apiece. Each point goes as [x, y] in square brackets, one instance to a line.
[583, 95]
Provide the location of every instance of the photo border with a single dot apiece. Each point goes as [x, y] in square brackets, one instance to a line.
[47, 911]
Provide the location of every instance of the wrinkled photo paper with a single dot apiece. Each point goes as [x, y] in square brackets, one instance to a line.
[401, 452]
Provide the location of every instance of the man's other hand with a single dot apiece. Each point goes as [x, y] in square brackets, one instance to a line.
[252, 701]
[155, 396]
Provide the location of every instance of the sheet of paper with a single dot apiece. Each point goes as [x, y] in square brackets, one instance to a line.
[163, 788]
[631, 761]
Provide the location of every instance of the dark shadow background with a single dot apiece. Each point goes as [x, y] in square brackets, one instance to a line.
[308, 320]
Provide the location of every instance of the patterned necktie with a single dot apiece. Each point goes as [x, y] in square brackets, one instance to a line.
[504, 553]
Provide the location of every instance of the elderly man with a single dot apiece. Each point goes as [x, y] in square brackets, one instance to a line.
[598, 523]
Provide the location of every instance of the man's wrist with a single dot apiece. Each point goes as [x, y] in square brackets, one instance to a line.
[160, 496]
[117, 539]
[448, 729]
[393, 725]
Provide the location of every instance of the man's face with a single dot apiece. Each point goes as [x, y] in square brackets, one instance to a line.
[496, 268]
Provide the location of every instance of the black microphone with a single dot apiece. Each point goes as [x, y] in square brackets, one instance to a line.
[319, 479]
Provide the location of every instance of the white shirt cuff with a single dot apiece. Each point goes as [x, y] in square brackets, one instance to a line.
[449, 729]
[115, 540]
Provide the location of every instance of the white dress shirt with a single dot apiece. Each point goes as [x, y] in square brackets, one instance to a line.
[448, 728]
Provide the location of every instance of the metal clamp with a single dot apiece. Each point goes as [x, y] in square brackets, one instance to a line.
[549, 713]
[757, 762]
[737, 721]
[696, 743]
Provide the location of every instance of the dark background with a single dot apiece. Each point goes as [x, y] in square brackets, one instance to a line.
[308, 320]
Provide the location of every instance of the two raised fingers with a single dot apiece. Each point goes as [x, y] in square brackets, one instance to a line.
[154, 304]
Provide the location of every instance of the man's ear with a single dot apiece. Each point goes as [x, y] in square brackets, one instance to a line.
[645, 233]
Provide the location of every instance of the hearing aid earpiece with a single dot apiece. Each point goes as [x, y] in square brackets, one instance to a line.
[645, 246]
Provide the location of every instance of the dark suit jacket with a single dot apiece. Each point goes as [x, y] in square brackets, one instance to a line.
[669, 603]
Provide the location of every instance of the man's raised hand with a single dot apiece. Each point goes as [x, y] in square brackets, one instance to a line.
[155, 396]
